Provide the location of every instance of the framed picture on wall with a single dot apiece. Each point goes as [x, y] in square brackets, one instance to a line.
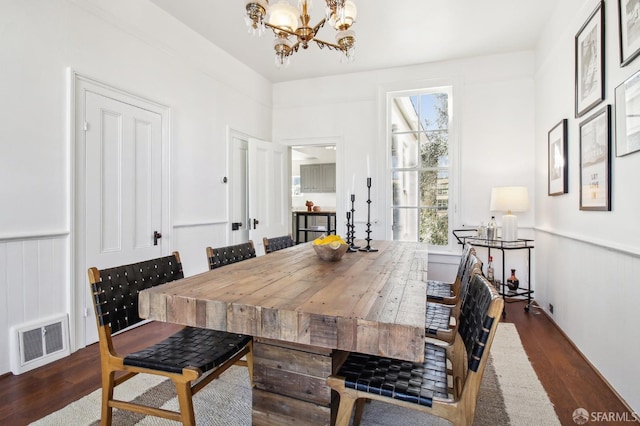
[629, 30]
[595, 161]
[628, 116]
[558, 174]
[589, 62]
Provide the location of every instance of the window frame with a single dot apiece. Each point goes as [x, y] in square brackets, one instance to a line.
[387, 96]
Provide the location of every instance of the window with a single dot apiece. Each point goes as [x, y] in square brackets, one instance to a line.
[420, 124]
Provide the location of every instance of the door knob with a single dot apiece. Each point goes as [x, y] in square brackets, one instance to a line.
[255, 222]
[235, 226]
[156, 237]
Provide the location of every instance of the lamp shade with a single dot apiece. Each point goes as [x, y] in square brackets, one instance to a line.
[283, 15]
[509, 199]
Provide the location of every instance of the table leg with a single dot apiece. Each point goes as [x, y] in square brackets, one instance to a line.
[290, 383]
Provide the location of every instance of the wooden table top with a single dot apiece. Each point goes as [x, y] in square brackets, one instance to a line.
[367, 302]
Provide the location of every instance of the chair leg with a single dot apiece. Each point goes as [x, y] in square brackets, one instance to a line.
[185, 399]
[359, 411]
[106, 416]
[345, 409]
[249, 357]
[466, 417]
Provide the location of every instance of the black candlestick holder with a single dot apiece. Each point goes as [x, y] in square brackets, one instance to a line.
[368, 248]
[351, 226]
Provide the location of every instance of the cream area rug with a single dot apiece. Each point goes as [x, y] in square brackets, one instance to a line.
[510, 394]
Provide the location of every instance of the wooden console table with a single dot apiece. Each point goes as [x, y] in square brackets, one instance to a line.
[305, 314]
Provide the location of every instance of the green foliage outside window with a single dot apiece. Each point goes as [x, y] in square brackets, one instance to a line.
[434, 216]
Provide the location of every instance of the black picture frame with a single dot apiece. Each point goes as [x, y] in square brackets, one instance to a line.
[558, 171]
[628, 30]
[595, 161]
[589, 62]
[627, 116]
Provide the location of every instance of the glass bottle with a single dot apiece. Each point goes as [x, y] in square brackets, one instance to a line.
[482, 231]
[491, 229]
[513, 282]
[490, 276]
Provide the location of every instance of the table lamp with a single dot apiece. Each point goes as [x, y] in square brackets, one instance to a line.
[509, 199]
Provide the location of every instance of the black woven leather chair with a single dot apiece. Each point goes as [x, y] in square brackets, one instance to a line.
[184, 357]
[433, 387]
[277, 243]
[442, 320]
[231, 254]
[449, 292]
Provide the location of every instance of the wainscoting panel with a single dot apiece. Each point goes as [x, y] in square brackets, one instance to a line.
[34, 276]
[594, 290]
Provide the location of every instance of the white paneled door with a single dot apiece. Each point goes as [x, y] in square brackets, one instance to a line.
[123, 187]
[268, 191]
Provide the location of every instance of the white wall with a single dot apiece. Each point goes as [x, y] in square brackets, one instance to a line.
[493, 103]
[137, 47]
[587, 262]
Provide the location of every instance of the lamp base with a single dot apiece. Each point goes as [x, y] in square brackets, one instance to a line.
[509, 227]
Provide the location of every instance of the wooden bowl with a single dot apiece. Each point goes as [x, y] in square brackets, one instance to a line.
[327, 252]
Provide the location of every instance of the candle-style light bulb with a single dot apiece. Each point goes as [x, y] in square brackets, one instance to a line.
[368, 167]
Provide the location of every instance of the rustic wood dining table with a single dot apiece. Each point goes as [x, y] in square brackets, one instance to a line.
[305, 315]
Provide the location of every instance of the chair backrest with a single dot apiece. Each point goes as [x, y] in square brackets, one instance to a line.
[478, 321]
[222, 256]
[464, 259]
[277, 243]
[473, 265]
[479, 318]
[115, 290]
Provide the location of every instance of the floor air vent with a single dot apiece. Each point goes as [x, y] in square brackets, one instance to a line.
[39, 343]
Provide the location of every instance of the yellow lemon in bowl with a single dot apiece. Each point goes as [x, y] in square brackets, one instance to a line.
[330, 247]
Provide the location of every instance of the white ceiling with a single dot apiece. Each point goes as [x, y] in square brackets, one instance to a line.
[389, 33]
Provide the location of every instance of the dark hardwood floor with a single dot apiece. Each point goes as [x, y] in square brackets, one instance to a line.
[568, 379]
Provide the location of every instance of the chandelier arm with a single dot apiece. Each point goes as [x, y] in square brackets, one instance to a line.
[331, 46]
[318, 26]
[276, 29]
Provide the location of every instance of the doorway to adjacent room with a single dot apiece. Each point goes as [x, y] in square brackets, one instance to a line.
[313, 186]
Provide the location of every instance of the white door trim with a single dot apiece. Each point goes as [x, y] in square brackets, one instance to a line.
[76, 178]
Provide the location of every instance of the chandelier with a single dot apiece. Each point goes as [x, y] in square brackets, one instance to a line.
[292, 28]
